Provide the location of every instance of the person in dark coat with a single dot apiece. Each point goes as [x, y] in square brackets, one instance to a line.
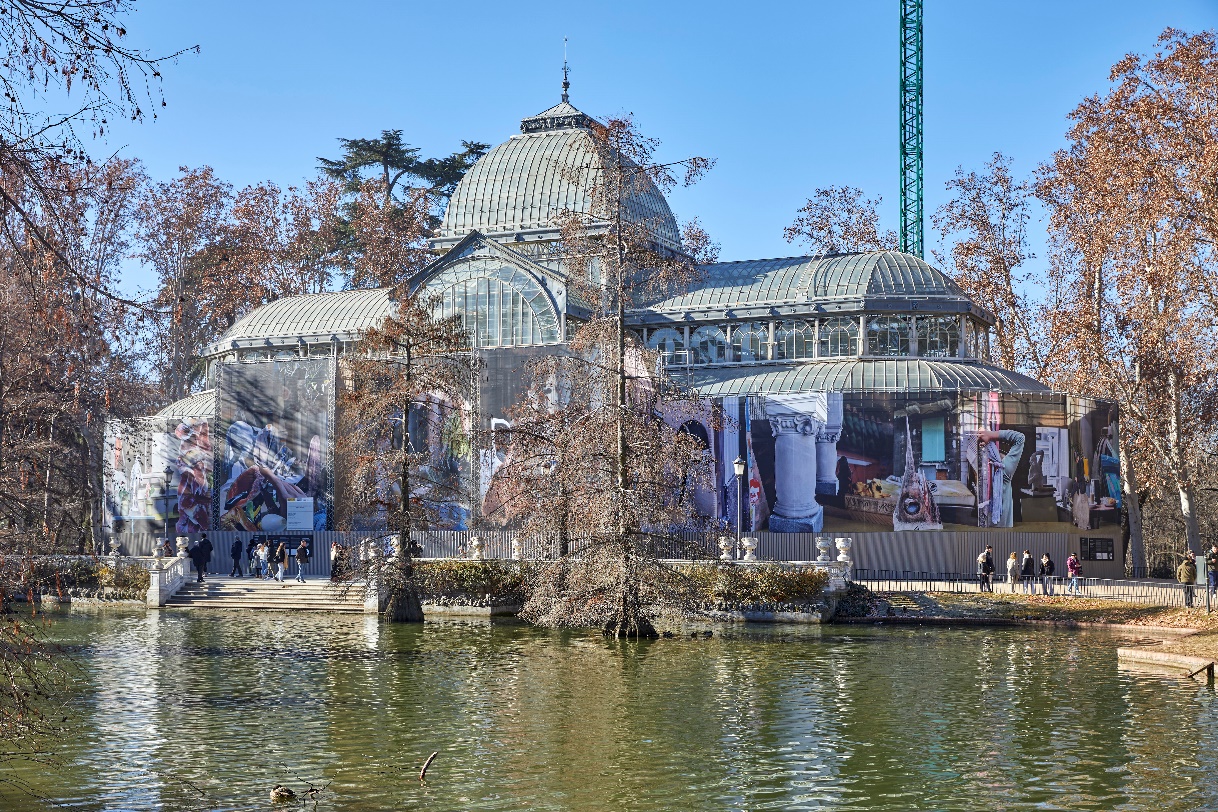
[281, 562]
[1047, 567]
[985, 569]
[206, 547]
[196, 555]
[302, 558]
[235, 551]
[251, 552]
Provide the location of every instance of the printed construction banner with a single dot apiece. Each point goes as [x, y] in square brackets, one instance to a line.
[158, 475]
[274, 454]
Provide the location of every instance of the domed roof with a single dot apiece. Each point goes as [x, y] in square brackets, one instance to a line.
[315, 316]
[853, 278]
[523, 184]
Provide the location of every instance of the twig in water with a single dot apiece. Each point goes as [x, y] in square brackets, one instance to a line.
[426, 764]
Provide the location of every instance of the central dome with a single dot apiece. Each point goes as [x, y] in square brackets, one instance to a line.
[519, 188]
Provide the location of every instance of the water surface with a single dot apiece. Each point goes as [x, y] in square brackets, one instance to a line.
[180, 711]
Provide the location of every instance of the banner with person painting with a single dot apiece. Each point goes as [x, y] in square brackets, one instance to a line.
[157, 475]
[273, 457]
[831, 461]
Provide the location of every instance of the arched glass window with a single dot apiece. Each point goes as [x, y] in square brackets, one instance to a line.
[888, 335]
[970, 339]
[938, 336]
[708, 345]
[749, 340]
[794, 339]
[669, 343]
[500, 306]
[839, 337]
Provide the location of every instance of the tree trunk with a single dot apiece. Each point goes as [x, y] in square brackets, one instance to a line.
[402, 604]
[1189, 511]
[1133, 510]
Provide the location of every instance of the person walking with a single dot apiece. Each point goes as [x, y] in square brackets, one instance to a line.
[264, 557]
[1013, 571]
[1047, 567]
[1074, 568]
[251, 553]
[1028, 573]
[1186, 574]
[985, 569]
[1211, 569]
[206, 546]
[281, 561]
[196, 555]
[302, 558]
[234, 550]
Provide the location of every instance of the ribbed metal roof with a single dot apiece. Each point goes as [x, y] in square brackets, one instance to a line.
[200, 404]
[856, 375]
[528, 180]
[315, 315]
[887, 274]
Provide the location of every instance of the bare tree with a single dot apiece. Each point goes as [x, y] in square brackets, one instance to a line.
[1134, 216]
[986, 223]
[595, 458]
[408, 385]
[838, 219]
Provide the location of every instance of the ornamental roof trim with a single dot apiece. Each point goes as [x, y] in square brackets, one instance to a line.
[199, 404]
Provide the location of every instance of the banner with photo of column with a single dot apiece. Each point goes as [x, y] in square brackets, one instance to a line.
[274, 456]
[832, 461]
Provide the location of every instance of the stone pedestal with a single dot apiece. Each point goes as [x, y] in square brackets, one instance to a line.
[823, 545]
[725, 548]
[750, 549]
[475, 548]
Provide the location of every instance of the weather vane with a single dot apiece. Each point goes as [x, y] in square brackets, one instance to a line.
[566, 72]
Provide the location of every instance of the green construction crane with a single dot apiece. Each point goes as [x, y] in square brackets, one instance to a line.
[911, 127]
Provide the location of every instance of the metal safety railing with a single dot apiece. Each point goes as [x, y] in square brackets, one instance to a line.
[1149, 591]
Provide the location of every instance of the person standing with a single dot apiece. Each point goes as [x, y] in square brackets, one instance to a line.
[1074, 568]
[1012, 571]
[196, 555]
[302, 558]
[1028, 573]
[206, 547]
[1047, 568]
[281, 561]
[985, 569]
[1211, 569]
[1186, 574]
[251, 553]
[264, 557]
[234, 550]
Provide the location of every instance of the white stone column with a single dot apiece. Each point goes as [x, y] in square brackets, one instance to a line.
[796, 420]
[826, 446]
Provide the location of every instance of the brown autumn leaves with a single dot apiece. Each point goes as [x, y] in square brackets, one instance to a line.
[1125, 305]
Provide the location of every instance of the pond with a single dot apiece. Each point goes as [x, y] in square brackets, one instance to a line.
[204, 710]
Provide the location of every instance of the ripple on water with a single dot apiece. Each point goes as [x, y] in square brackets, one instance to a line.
[207, 711]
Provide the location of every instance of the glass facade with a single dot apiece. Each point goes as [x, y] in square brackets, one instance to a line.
[938, 336]
[708, 345]
[500, 305]
[750, 341]
[839, 337]
[794, 340]
[888, 336]
[669, 343]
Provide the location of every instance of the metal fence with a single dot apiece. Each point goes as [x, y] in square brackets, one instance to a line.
[1155, 592]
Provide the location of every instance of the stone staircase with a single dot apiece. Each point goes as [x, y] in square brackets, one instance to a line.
[219, 592]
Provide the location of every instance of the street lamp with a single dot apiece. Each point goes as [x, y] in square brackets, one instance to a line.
[739, 466]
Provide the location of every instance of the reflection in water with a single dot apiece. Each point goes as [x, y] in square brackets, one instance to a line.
[209, 710]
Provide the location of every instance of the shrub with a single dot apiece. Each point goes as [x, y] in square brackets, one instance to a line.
[759, 584]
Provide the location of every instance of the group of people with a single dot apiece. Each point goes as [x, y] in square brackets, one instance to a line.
[1186, 573]
[268, 564]
[263, 562]
[1025, 570]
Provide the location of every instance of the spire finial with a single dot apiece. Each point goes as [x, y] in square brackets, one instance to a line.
[566, 72]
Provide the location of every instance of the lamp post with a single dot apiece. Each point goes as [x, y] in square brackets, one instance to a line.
[739, 465]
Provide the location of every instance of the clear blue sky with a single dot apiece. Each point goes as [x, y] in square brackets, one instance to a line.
[785, 96]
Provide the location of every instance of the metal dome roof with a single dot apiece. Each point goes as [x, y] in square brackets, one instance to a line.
[851, 277]
[311, 316]
[528, 180]
[856, 375]
[200, 404]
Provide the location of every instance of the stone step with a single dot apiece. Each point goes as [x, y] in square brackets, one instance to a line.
[278, 607]
[219, 592]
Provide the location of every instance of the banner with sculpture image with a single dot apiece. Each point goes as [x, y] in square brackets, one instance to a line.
[273, 460]
[157, 475]
[831, 461]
